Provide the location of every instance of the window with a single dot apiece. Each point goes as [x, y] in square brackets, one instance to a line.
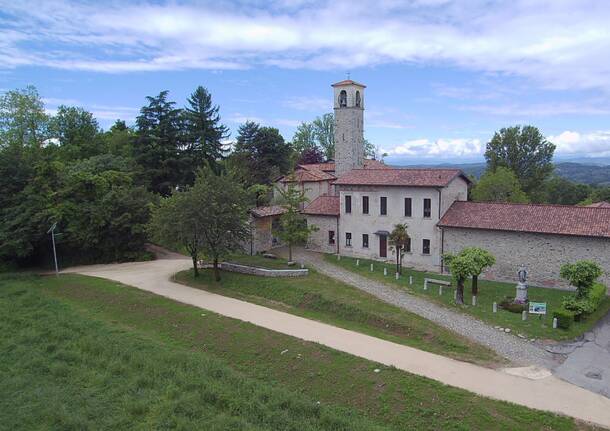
[426, 246]
[365, 240]
[408, 245]
[365, 204]
[427, 208]
[348, 239]
[383, 205]
[331, 237]
[348, 204]
[358, 98]
[408, 206]
[343, 99]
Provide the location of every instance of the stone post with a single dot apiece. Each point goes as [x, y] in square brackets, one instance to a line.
[397, 276]
[411, 280]
[455, 295]
[474, 301]
[385, 271]
[357, 262]
[338, 257]
[524, 315]
[440, 289]
[495, 307]
[371, 267]
[554, 323]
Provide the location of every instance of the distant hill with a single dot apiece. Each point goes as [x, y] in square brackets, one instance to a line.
[577, 172]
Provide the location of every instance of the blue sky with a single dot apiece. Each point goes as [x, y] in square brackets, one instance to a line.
[441, 75]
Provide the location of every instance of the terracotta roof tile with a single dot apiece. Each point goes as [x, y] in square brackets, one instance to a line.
[347, 82]
[267, 211]
[550, 219]
[323, 205]
[307, 175]
[399, 177]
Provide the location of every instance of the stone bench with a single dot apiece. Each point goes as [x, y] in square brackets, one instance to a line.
[440, 283]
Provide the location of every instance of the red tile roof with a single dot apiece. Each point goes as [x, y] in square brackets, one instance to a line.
[323, 205]
[347, 82]
[400, 177]
[269, 211]
[307, 175]
[550, 219]
[602, 204]
[324, 171]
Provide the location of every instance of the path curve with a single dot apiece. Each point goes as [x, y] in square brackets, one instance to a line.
[515, 349]
[546, 393]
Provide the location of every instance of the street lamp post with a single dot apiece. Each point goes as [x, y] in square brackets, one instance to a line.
[52, 232]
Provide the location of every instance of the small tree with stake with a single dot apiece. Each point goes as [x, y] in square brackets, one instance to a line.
[461, 266]
[293, 226]
[399, 239]
[481, 259]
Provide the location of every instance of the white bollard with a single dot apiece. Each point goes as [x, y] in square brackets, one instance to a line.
[440, 289]
[425, 285]
[371, 267]
[554, 323]
[411, 279]
[524, 315]
[357, 262]
[397, 276]
[385, 271]
[302, 266]
[474, 301]
[495, 307]
[338, 257]
[455, 295]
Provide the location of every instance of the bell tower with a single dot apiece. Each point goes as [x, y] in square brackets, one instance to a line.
[349, 126]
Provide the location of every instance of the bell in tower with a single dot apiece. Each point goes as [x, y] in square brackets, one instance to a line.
[349, 126]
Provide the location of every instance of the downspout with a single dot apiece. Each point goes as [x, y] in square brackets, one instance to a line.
[442, 250]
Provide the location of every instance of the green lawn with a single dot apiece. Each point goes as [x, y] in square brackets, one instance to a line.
[325, 299]
[86, 353]
[489, 292]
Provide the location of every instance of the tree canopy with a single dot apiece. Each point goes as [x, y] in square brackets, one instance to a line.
[501, 185]
[523, 150]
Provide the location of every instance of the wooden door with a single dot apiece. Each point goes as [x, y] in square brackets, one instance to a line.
[383, 246]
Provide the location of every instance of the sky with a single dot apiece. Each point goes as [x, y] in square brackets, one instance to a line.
[441, 75]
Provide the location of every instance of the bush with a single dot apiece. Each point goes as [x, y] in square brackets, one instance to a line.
[577, 306]
[597, 294]
[508, 304]
[581, 274]
[564, 318]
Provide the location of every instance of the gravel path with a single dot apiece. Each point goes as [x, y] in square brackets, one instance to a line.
[515, 349]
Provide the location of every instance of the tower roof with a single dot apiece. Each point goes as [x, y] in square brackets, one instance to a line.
[347, 82]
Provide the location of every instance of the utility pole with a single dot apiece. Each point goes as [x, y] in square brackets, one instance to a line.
[52, 232]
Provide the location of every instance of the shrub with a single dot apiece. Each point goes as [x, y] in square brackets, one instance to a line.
[576, 305]
[581, 274]
[564, 318]
[508, 304]
[597, 295]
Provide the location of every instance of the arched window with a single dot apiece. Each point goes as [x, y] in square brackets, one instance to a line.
[343, 99]
[358, 99]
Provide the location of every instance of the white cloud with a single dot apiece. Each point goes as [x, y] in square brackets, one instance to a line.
[101, 112]
[311, 104]
[592, 143]
[443, 148]
[560, 44]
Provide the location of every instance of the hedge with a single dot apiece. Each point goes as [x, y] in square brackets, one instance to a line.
[564, 318]
[597, 295]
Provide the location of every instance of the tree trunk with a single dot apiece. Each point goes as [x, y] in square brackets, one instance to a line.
[397, 262]
[459, 297]
[216, 270]
[289, 252]
[195, 268]
[475, 285]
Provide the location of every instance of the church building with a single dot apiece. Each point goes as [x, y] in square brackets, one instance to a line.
[355, 204]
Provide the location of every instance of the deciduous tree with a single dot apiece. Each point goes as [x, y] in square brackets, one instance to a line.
[481, 259]
[525, 151]
[500, 185]
[399, 238]
[324, 131]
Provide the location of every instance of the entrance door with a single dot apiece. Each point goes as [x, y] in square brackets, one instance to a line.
[383, 246]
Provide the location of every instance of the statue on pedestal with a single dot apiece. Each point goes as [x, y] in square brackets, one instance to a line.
[521, 296]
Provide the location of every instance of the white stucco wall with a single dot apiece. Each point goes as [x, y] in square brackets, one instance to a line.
[456, 190]
[542, 254]
[418, 226]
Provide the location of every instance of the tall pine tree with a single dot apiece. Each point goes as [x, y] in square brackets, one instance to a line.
[203, 131]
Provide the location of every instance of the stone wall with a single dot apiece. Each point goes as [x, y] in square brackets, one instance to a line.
[244, 269]
[318, 240]
[542, 254]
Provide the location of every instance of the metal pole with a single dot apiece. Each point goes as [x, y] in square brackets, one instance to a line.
[54, 252]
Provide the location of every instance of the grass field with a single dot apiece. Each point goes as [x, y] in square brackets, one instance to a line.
[322, 298]
[489, 292]
[86, 353]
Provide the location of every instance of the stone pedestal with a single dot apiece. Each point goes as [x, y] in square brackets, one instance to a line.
[521, 296]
